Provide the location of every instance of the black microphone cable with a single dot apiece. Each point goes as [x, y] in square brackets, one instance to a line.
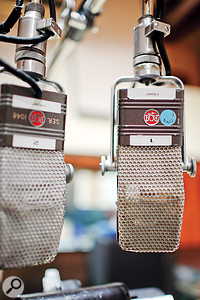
[15, 14]
[24, 40]
[159, 11]
[52, 9]
[23, 76]
[159, 36]
[6, 26]
[163, 53]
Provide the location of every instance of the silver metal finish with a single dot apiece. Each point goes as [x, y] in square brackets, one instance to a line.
[25, 54]
[147, 58]
[113, 104]
[29, 63]
[157, 26]
[189, 164]
[146, 61]
[71, 19]
[109, 163]
[94, 6]
[77, 21]
[34, 67]
[32, 58]
[51, 25]
[66, 9]
[55, 85]
[147, 7]
[171, 79]
[147, 71]
[69, 173]
[143, 44]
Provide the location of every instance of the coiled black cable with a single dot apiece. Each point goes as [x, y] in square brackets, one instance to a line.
[23, 76]
[8, 24]
[23, 40]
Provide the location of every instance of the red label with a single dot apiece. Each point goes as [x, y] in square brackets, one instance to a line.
[151, 117]
[37, 118]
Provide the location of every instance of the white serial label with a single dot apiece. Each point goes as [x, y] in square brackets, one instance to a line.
[148, 93]
[150, 140]
[35, 104]
[24, 141]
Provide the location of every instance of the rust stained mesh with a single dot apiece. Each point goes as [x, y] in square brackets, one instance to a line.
[150, 198]
[32, 205]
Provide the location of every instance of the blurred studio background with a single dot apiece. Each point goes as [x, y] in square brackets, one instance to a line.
[88, 248]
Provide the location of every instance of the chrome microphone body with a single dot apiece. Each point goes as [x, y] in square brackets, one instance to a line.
[31, 58]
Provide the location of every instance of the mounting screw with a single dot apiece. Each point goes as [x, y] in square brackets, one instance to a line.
[192, 167]
[102, 165]
[167, 28]
[69, 173]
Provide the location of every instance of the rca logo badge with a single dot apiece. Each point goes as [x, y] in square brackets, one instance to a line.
[151, 117]
[37, 118]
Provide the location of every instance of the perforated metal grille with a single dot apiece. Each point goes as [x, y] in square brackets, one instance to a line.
[32, 205]
[150, 198]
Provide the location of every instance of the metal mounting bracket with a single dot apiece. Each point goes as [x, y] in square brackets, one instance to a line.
[49, 24]
[157, 26]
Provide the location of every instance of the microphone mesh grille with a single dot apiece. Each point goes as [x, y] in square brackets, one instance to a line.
[150, 198]
[32, 205]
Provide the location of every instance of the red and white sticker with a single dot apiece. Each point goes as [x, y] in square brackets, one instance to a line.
[37, 118]
[151, 117]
